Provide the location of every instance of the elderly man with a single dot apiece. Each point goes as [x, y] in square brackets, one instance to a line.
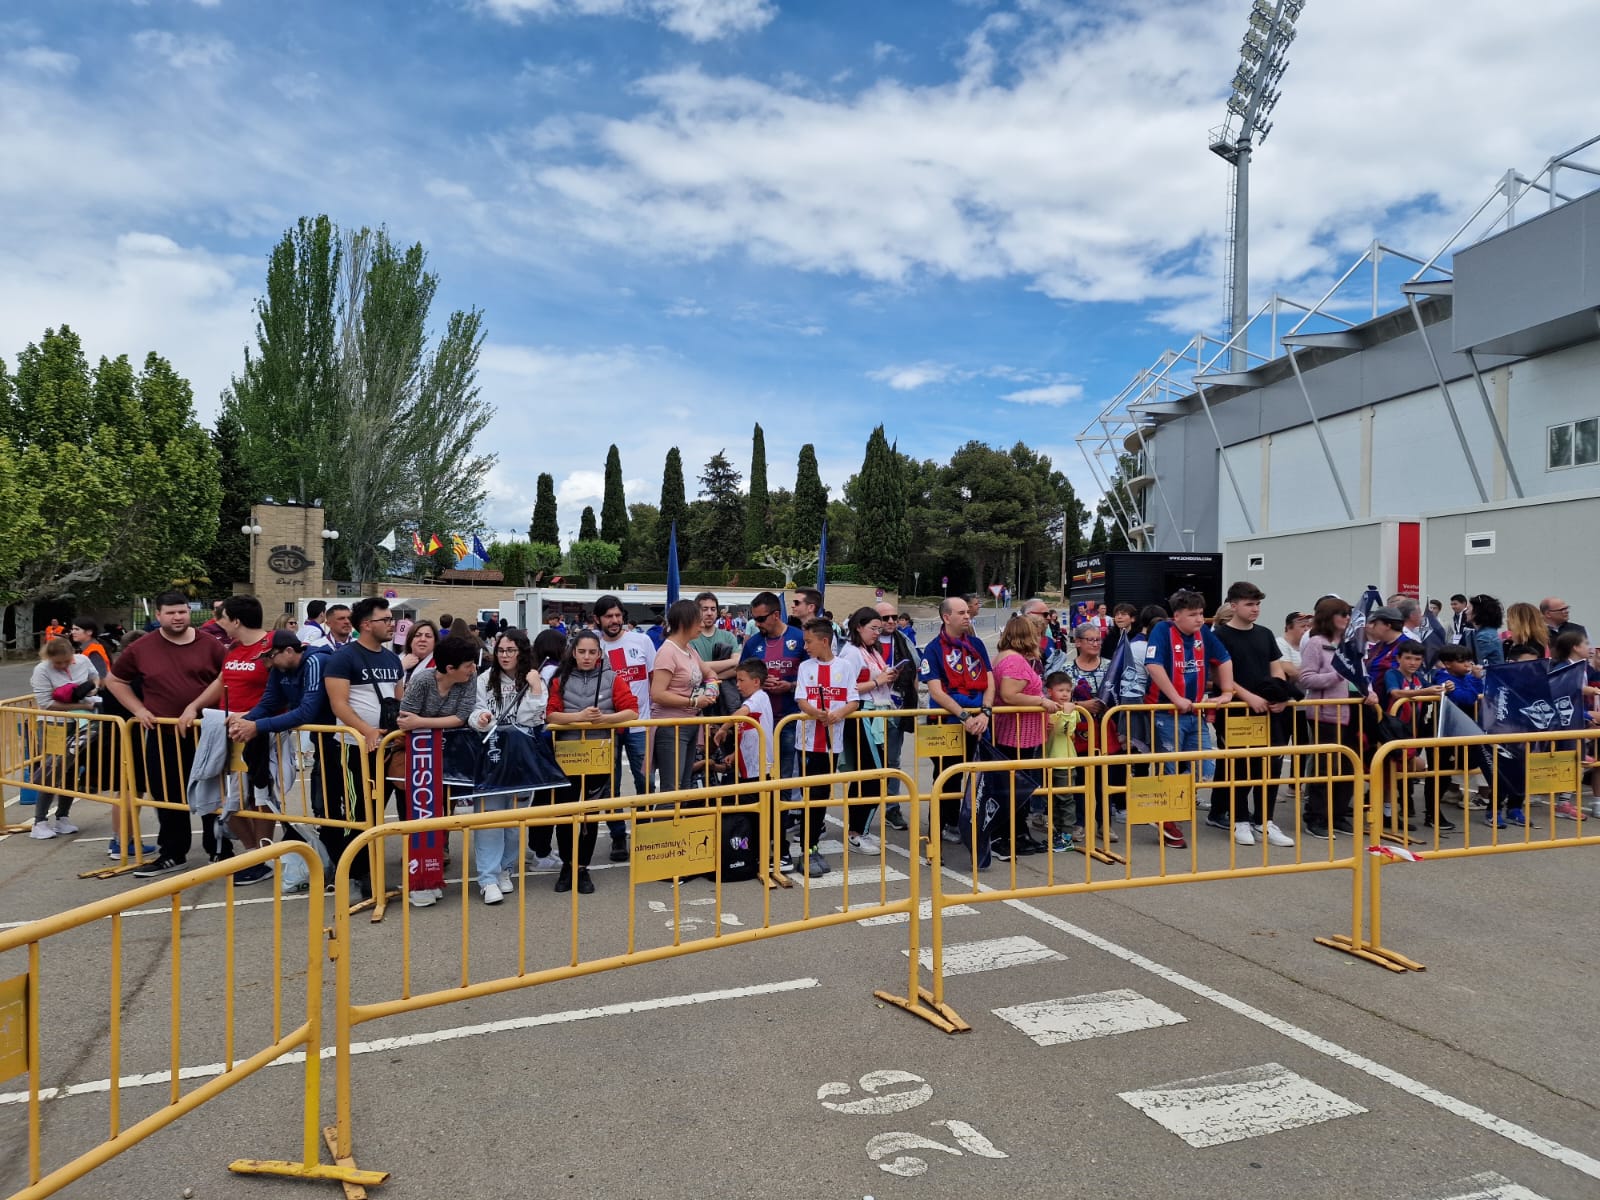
[1556, 611]
[955, 667]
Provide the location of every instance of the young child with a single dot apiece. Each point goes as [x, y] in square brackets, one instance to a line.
[825, 693]
[1060, 727]
[1406, 677]
[1454, 665]
[1573, 647]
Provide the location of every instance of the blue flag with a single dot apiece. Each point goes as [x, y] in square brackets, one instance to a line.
[477, 548]
[822, 560]
[1532, 697]
[672, 566]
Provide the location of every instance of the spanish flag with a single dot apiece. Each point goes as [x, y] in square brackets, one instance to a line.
[433, 542]
[416, 543]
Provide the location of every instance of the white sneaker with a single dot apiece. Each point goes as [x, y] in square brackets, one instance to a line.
[63, 827]
[41, 830]
[864, 842]
[1242, 834]
[547, 862]
[425, 898]
[492, 894]
[507, 883]
[1276, 836]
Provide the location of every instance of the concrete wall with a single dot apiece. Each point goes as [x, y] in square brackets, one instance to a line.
[1541, 548]
[1295, 568]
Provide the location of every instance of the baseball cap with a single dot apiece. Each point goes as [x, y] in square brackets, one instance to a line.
[281, 639]
[1390, 616]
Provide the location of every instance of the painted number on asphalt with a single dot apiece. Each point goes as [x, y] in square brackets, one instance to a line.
[878, 1101]
[886, 1092]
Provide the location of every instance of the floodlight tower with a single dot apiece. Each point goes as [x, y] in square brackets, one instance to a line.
[1255, 93]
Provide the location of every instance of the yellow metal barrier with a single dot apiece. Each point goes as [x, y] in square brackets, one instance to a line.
[1167, 795]
[64, 753]
[1538, 764]
[677, 837]
[132, 1029]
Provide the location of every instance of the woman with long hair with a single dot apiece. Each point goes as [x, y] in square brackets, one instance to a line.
[546, 654]
[585, 691]
[1530, 635]
[1019, 684]
[63, 681]
[679, 690]
[865, 740]
[1330, 671]
[510, 692]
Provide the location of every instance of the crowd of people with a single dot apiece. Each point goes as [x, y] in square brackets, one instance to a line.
[852, 689]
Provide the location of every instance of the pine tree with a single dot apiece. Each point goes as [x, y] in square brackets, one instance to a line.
[545, 526]
[229, 559]
[1097, 540]
[880, 505]
[614, 507]
[757, 529]
[719, 536]
[810, 501]
[588, 531]
[673, 509]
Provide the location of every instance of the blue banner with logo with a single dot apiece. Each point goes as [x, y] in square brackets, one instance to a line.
[1532, 697]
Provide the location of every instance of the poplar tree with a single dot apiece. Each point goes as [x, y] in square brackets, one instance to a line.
[545, 527]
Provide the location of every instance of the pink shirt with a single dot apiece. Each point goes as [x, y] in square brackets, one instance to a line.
[1019, 729]
[686, 670]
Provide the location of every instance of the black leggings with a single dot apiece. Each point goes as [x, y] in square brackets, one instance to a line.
[1327, 802]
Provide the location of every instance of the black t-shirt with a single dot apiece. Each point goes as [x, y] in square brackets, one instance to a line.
[1253, 650]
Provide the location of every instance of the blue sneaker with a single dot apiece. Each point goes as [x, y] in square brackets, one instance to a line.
[1061, 843]
[1490, 819]
[1516, 816]
[115, 849]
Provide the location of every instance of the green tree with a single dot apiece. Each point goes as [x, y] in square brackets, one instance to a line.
[780, 517]
[719, 536]
[593, 558]
[673, 509]
[544, 560]
[987, 509]
[756, 527]
[122, 482]
[844, 525]
[810, 500]
[614, 506]
[229, 560]
[877, 495]
[1097, 540]
[514, 561]
[588, 531]
[343, 400]
[545, 527]
[643, 520]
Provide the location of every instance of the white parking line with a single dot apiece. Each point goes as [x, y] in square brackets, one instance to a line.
[1214, 1110]
[382, 1045]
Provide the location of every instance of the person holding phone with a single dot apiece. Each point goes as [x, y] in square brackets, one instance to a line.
[900, 656]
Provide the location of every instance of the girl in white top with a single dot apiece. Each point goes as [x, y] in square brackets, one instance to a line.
[510, 692]
[60, 670]
[864, 742]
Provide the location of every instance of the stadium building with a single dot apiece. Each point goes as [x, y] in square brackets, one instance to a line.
[1445, 441]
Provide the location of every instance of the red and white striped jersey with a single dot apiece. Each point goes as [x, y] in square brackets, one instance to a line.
[828, 686]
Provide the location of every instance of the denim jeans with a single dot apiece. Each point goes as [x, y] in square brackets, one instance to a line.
[634, 740]
[1192, 733]
[497, 850]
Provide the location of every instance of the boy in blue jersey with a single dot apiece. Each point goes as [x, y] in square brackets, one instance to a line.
[1180, 655]
[781, 648]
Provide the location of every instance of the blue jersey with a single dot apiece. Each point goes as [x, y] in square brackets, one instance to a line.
[782, 655]
[1184, 659]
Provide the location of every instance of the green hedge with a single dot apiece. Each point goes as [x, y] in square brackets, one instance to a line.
[744, 577]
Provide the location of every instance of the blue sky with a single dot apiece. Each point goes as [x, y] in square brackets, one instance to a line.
[964, 219]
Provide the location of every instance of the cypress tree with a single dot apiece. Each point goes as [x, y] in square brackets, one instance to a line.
[755, 509]
[588, 531]
[881, 534]
[810, 501]
[614, 508]
[545, 526]
[673, 508]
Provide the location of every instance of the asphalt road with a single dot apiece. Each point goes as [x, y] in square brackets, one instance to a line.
[1170, 1041]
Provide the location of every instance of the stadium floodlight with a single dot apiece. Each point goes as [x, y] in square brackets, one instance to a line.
[1255, 93]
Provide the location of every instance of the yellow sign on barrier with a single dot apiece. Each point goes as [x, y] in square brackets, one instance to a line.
[591, 756]
[945, 740]
[13, 1027]
[1246, 732]
[55, 738]
[1556, 771]
[664, 849]
[1153, 798]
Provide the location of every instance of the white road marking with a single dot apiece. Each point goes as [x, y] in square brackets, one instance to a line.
[860, 877]
[877, 1103]
[1577, 1160]
[990, 954]
[383, 1045]
[1216, 1109]
[925, 910]
[1487, 1186]
[1079, 1018]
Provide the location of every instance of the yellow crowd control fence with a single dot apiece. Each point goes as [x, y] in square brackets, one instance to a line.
[1157, 795]
[269, 1007]
[69, 755]
[1526, 776]
[677, 902]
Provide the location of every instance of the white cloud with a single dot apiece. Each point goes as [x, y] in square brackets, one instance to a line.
[554, 78]
[697, 20]
[686, 308]
[910, 378]
[1052, 394]
[43, 60]
[1070, 150]
[183, 51]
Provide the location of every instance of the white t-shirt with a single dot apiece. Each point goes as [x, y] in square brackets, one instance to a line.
[866, 669]
[1289, 653]
[824, 685]
[632, 656]
[750, 741]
